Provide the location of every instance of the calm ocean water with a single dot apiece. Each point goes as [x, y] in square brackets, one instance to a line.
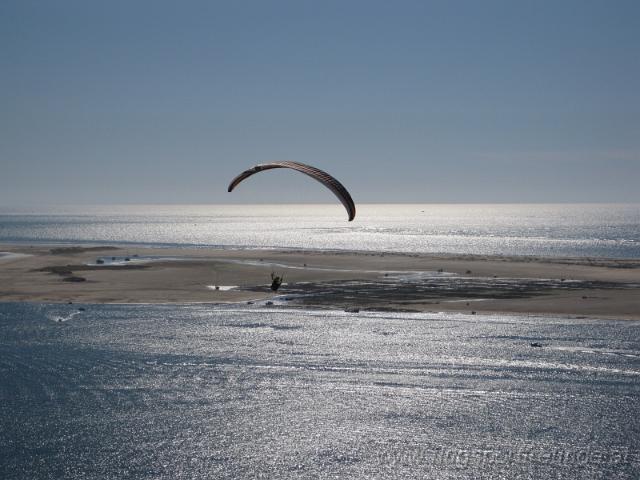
[592, 230]
[202, 392]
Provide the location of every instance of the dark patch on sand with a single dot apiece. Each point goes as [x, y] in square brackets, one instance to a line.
[400, 295]
[69, 269]
[74, 250]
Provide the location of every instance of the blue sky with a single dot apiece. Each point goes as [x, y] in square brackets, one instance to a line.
[448, 101]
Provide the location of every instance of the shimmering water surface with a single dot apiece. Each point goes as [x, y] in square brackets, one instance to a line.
[200, 391]
[556, 230]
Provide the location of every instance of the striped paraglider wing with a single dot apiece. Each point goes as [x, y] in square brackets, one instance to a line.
[323, 177]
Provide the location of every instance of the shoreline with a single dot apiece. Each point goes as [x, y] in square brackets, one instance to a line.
[361, 280]
[20, 249]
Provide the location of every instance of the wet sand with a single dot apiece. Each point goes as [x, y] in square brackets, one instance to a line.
[606, 288]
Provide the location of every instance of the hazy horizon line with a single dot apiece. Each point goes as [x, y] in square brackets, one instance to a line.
[247, 204]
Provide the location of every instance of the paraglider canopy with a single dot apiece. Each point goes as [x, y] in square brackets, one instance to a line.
[323, 177]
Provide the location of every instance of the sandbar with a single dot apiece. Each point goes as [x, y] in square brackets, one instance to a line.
[589, 287]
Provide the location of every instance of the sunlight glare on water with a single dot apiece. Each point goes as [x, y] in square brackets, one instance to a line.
[186, 392]
[597, 230]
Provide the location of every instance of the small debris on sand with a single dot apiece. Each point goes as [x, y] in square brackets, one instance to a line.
[74, 279]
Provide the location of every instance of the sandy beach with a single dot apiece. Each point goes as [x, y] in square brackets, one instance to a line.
[606, 288]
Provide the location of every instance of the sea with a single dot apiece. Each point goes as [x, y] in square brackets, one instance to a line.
[234, 392]
[243, 391]
[565, 230]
